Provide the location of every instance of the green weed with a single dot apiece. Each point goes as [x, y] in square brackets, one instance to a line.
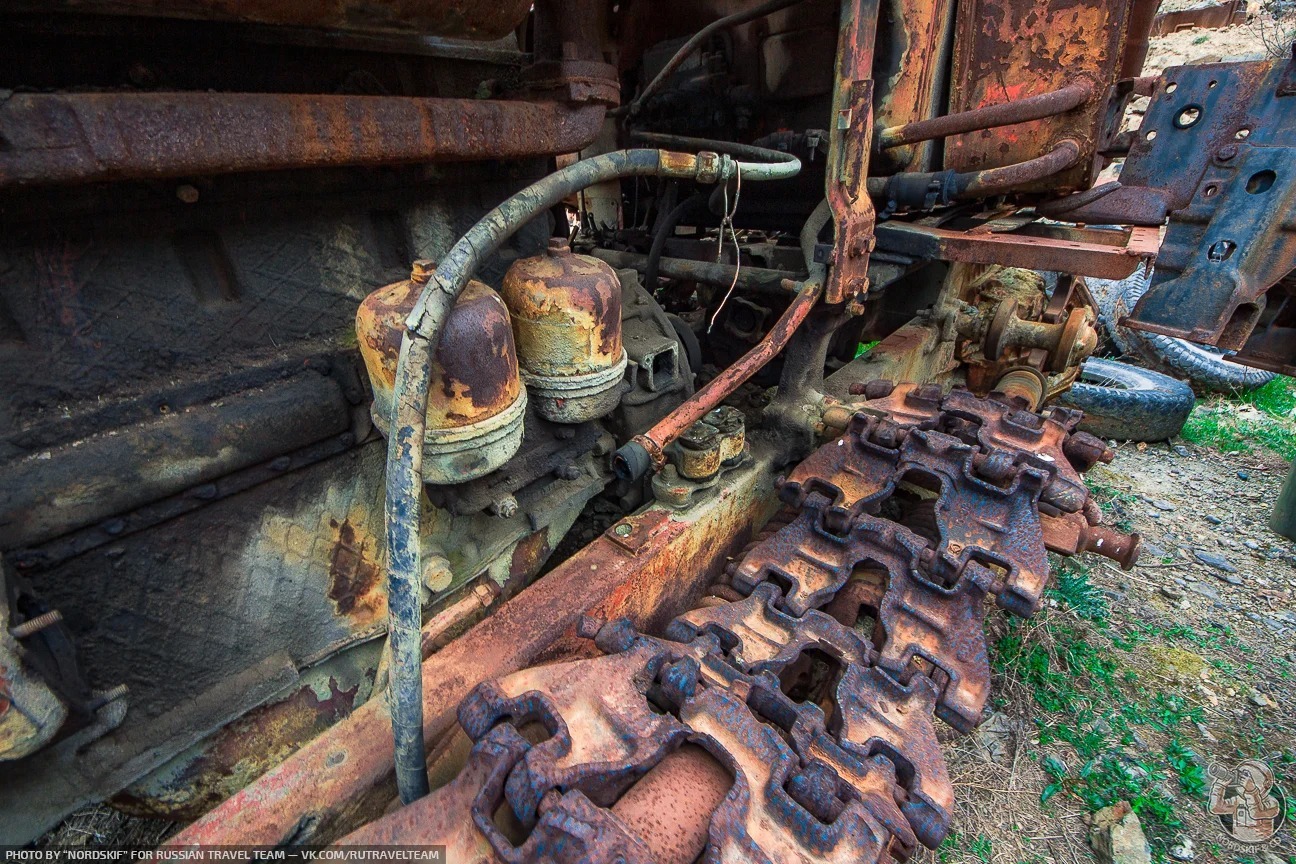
[1235, 425]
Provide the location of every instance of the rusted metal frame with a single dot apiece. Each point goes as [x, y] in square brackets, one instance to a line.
[1034, 107]
[654, 441]
[917, 77]
[1142, 14]
[55, 138]
[1216, 147]
[647, 567]
[1068, 254]
[1008, 50]
[849, 144]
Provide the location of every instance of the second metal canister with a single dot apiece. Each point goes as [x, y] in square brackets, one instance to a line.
[566, 312]
[476, 401]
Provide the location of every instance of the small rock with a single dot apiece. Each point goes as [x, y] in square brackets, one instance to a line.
[1214, 520]
[1183, 850]
[1171, 593]
[1230, 578]
[1251, 544]
[1180, 450]
[1162, 504]
[1259, 700]
[1210, 559]
[1243, 475]
[1117, 837]
[996, 735]
[1205, 590]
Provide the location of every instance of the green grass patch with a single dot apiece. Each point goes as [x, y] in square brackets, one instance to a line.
[1100, 719]
[1266, 416]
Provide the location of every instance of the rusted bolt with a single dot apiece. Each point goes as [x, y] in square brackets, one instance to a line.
[1227, 152]
[588, 626]
[421, 270]
[624, 529]
[188, 194]
[35, 625]
[505, 507]
[113, 695]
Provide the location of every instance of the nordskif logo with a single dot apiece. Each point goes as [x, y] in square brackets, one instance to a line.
[1248, 803]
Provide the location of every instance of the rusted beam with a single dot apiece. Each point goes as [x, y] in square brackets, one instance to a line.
[989, 117]
[49, 138]
[1066, 250]
[850, 141]
[647, 567]
[452, 18]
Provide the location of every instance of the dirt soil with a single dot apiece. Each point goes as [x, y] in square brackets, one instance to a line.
[1200, 642]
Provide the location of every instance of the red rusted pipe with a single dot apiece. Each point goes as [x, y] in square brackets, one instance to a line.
[648, 450]
[989, 117]
[54, 138]
[994, 180]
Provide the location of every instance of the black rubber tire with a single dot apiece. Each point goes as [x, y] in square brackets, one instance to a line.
[1206, 368]
[1127, 403]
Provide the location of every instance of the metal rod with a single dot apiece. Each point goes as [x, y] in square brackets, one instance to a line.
[989, 117]
[992, 181]
[647, 451]
[756, 279]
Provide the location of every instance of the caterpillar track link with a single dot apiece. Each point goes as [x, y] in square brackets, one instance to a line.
[797, 723]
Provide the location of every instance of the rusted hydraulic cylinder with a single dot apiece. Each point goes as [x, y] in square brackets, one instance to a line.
[476, 402]
[566, 313]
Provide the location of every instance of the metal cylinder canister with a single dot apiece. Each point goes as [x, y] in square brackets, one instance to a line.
[566, 312]
[476, 401]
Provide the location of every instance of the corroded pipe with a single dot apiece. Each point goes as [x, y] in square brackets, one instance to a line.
[989, 117]
[647, 451]
[991, 181]
[755, 279]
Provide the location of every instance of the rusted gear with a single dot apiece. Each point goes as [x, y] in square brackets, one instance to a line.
[823, 724]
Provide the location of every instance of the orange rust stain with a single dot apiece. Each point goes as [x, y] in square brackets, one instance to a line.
[530, 554]
[354, 575]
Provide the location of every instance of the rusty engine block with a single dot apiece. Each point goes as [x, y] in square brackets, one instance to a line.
[790, 717]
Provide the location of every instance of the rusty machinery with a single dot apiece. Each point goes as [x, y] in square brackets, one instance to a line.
[746, 664]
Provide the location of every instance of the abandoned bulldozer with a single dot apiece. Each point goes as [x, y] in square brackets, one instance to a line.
[580, 431]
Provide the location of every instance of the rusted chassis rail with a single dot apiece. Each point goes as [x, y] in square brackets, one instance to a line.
[90, 137]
